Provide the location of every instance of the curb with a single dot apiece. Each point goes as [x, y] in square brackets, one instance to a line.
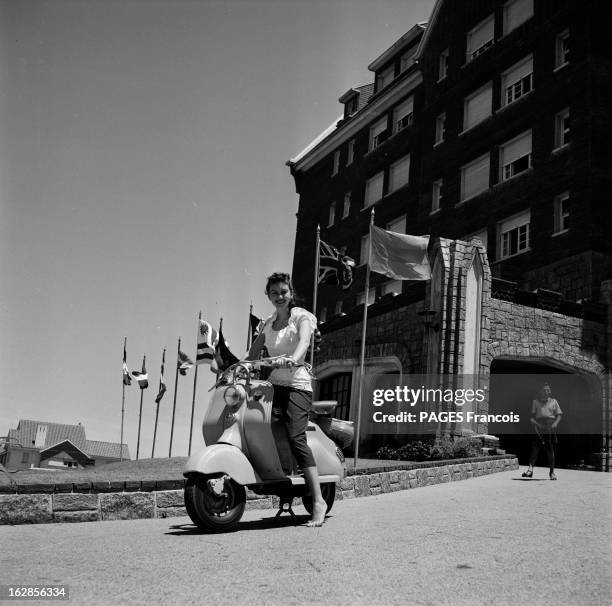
[100, 501]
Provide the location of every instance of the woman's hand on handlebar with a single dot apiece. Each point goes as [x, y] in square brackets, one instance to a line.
[283, 362]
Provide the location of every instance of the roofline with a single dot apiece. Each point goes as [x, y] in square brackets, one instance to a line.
[430, 27]
[408, 37]
[328, 140]
[61, 442]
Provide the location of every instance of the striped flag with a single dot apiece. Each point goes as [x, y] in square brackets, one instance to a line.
[183, 363]
[207, 343]
[142, 377]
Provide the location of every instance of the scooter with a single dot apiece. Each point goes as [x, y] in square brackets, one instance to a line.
[247, 447]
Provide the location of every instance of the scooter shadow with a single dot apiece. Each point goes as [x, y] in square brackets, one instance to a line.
[284, 521]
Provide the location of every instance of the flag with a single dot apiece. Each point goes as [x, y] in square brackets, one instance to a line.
[142, 377]
[207, 343]
[399, 256]
[224, 357]
[334, 266]
[126, 373]
[183, 363]
[256, 326]
[162, 385]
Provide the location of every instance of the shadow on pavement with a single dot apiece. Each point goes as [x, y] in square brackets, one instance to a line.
[180, 530]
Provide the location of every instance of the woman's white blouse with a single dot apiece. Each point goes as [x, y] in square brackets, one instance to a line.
[284, 342]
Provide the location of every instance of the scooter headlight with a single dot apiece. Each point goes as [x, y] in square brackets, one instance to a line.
[234, 395]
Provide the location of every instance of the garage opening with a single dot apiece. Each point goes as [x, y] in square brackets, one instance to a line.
[580, 398]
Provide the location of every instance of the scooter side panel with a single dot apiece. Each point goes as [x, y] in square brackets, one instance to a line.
[324, 452]
[222, 458]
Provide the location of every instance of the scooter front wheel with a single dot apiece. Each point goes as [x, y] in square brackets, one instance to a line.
[328, 492]
[214, 503]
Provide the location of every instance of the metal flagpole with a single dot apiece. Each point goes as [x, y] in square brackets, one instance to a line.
[315, 290]
[161, 378]
[363, 341]
[174, 404]
[140, 413]
[122, 400]
[219, 340]
[195, 382]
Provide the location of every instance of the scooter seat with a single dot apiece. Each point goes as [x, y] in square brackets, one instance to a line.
[324, 407]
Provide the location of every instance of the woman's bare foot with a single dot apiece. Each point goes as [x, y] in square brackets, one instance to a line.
[319, 509]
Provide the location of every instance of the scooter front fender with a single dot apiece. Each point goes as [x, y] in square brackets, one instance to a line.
[222, 458]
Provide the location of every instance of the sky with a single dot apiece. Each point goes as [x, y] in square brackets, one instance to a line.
[142, 180]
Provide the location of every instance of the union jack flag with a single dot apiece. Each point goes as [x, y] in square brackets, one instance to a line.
[334, 266]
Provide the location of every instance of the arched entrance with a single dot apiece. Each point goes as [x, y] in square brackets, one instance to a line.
[580, 398]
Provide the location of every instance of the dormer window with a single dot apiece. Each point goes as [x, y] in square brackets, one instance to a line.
[350, 107]
[384, 78]
[406, 60]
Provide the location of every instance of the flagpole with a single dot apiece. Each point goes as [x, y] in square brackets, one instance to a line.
[122, 401]
[217, 361]
[195, 382]
[315, 289]
[174, 404]
[363, 341]
[161, 378]
[140, 413]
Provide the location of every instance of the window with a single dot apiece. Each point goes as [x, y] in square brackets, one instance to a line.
[399, 173]
[346, 207]
[363, 250]
[402, 115]
[351, 106]
[440, 130]
[397, 225]
[323, 314]
[336, 162]
[378, 133]
[371, 297]
[479, 39]
[337, 387]
[350, 154]
[332, 214]
[436, 196]
[443, 65]
[561, 217]
[477, 106]
[516, 12]
[562, 128]
[515, 156]
[562, 49]
[384, 78]
[475, 177]
[513, 235]
[338, 308]
[392, 286]
[373, 189]
[25, 458]
[517, 81]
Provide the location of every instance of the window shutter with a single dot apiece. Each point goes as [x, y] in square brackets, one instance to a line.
[399, 174]
[516, 149]
[518, 72]
[478, 107]
[517, 12]
[479, 36]
[475, 177]
[374, 189]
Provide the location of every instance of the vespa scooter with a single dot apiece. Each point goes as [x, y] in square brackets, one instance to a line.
[247, 447]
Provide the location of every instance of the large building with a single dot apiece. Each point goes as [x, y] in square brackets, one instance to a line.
[487, 129]
[55, 446]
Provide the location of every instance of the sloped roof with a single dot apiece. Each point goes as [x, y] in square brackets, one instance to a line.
[96, 448]
[25, 435]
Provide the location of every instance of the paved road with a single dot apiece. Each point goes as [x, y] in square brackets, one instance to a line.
[491, 540]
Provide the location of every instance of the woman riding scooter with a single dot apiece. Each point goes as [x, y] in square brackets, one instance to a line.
[287, 334]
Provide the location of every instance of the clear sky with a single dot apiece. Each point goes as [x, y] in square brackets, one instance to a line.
[142, 179]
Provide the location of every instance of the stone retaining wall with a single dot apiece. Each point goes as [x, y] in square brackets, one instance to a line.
[96, 501]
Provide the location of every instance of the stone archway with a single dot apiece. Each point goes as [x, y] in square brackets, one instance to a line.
[579, 394]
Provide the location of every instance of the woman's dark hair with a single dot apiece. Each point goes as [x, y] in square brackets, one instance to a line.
[278, 276]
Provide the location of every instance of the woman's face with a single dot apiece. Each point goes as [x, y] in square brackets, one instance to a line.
[545, 392]
[279, 294]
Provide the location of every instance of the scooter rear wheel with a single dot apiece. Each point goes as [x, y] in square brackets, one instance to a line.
[328, 491]
[211, 511]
